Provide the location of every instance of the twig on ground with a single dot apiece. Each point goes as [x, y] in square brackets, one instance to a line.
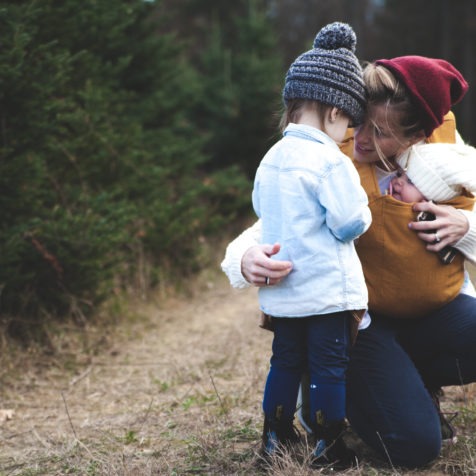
[75, 380]
[225, 412]
[69, 416]
[146, 414]
[388, 455]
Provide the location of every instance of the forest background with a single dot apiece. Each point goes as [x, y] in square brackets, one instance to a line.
[130, 131]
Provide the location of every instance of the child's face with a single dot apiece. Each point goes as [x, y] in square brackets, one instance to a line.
[403, 189]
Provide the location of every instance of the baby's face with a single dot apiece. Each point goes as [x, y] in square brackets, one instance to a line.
[403, 189]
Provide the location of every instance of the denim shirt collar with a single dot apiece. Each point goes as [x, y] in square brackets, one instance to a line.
[303, 131]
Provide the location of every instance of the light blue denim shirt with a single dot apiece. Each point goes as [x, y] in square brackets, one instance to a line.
[309, 197]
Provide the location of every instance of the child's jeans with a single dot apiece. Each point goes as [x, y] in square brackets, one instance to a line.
[320, 344]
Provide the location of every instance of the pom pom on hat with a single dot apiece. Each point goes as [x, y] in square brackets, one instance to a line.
[334, 36]
[434, 85]
[330, 73]
[440, 171]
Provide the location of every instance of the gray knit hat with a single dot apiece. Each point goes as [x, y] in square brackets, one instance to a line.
[330, 72]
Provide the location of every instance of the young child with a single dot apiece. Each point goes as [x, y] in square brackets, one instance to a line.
[309, 198]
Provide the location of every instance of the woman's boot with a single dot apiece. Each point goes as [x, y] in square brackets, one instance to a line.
[330, 449]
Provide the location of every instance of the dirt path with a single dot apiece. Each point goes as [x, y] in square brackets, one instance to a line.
[145, 406]
[177, 392]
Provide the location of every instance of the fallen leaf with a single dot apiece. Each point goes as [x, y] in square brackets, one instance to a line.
[6, 415]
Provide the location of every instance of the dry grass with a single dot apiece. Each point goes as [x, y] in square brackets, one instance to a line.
[175, 391]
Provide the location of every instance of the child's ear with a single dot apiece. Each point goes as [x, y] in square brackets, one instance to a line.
[334, 114]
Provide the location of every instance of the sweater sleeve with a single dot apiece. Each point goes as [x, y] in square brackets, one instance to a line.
[467, 244]
[231, 264]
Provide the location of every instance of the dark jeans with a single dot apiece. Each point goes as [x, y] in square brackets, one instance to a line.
[392, 366]
[317, 343]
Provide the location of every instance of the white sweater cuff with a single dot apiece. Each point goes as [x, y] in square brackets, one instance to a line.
[231, 265]
[467, 244]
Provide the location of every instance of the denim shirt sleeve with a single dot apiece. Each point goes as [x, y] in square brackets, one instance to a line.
[255, 197]
[340, 193]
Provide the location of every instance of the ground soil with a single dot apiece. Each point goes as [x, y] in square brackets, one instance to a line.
[177, 390]
[138, 400]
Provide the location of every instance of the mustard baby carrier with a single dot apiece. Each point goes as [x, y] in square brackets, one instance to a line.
[405, 280]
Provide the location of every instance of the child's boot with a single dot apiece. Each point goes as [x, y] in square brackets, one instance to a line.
[330, 449]
[277, 433]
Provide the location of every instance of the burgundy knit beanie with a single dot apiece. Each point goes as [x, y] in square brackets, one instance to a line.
[434, 84]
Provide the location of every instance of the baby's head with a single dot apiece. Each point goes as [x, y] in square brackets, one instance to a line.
[437, 172]
[402, 188]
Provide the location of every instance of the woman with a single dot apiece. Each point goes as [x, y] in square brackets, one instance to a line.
[397, 366]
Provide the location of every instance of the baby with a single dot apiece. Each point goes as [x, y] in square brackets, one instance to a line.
[435, 172]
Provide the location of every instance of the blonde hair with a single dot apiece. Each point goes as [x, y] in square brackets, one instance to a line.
[402, 117]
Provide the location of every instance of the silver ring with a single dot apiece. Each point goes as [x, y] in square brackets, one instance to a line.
[437, 238]
[266, 280]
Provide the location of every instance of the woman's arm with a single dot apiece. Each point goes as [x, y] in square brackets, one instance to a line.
[455, 228]
[248, 262]
[467, 244]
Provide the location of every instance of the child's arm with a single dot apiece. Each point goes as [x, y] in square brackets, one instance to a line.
[340, 193]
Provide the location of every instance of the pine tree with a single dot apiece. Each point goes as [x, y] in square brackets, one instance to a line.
[234, 48]
[98, 155]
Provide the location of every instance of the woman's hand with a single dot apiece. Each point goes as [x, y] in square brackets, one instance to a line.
[449, 226]
[259, 269]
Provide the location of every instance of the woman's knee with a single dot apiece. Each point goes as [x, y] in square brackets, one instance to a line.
[411, 439]
[410, 450]
[415, 454]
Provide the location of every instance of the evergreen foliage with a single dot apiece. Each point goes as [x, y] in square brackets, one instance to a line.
[101, 164]
[242, 71]
[131, 129]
